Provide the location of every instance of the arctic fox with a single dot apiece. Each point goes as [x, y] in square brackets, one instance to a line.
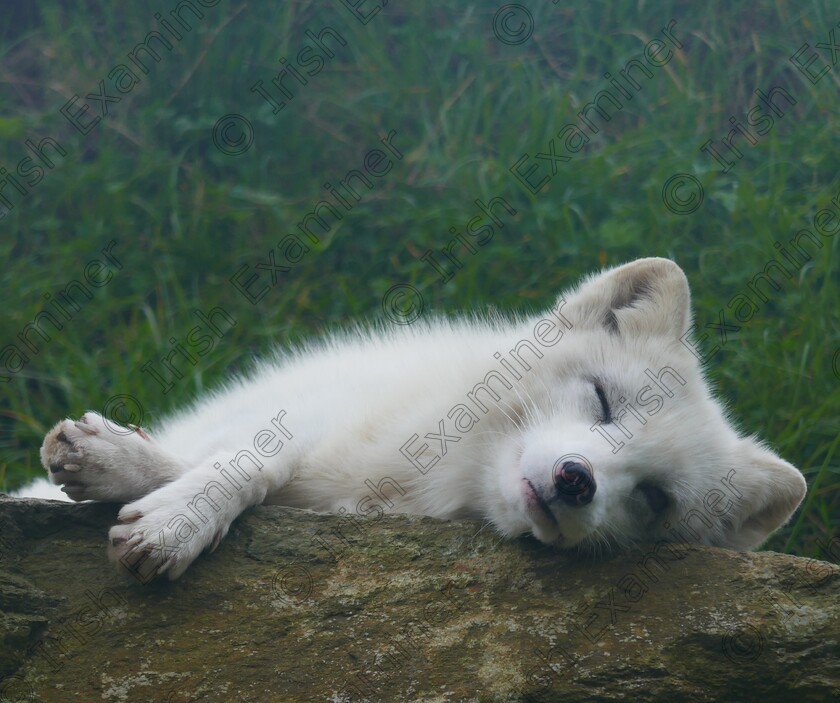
[588, 426]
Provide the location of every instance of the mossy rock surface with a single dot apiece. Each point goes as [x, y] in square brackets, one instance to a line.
[299, 606]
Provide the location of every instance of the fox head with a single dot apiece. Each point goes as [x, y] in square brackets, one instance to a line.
[620, 440]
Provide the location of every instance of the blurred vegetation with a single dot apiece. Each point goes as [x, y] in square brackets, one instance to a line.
[465, 107]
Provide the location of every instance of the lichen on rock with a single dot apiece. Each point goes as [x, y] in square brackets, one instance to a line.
[301, 606]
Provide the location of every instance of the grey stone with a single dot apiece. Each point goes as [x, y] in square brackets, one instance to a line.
[299, 606]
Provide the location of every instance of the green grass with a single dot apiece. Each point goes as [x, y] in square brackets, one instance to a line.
[465, 107]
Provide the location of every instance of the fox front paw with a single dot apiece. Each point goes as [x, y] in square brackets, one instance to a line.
[155, 538]
[94, 459]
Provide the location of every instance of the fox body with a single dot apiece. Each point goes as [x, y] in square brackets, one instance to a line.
[590, 425]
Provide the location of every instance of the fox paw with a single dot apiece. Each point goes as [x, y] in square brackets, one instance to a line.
[93, 458]
[156, 538]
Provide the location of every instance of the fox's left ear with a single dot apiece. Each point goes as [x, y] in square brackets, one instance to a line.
[644, 297]
[767, 490]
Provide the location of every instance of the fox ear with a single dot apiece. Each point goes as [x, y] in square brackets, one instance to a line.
[644, 297]
[767, 491]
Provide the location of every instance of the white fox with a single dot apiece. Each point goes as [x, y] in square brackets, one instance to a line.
[589, 426]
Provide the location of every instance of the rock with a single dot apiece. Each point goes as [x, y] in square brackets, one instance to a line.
[299, 606]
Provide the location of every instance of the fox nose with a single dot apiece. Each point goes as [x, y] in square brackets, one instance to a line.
[574, 483]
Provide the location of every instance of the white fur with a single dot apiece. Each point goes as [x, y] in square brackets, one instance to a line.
[41, 488]
[351, 402]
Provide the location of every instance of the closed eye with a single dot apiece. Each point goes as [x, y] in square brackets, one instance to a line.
[606, 413]
[656, 498]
